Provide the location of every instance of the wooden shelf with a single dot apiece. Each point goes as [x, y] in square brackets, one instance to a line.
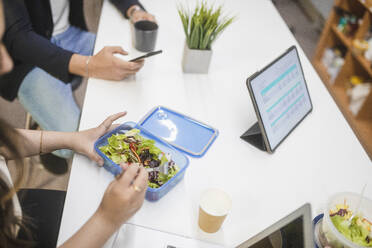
[345, 40]
[355, 64]
[367, 4]
[361, 127]
[364, 62]
[348, 43]
[322, 71]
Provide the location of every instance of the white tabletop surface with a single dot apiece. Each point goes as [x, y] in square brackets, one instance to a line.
[321, 157]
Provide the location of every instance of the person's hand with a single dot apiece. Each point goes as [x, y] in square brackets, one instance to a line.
[124, 196]
[140, 15]
[105, 65]
[83, 141]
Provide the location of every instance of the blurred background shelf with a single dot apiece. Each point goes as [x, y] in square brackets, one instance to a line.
[367, 4]
[354, 64]
[341, 36]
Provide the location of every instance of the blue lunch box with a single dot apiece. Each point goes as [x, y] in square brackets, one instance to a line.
[173, 133]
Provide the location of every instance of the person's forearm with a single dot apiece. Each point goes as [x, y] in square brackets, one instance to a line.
[78, 65]
[94, 233]
[26, 46]
[32, 142]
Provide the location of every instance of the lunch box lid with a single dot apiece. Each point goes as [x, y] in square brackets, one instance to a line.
[180, 131]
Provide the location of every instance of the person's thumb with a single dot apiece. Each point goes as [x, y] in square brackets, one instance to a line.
[96, 158]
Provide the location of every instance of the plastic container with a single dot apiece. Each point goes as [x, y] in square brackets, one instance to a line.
[180, 160]
[180, 131]
[333, 237]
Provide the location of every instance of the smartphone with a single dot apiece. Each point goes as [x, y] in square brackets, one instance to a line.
[146, 55]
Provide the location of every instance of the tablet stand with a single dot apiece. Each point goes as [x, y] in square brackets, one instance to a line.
[254, 136]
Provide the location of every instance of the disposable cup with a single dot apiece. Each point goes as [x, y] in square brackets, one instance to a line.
[214, 206]
[145, 33]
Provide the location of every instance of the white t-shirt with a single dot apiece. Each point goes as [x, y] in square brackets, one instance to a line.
[60, 13]
[5, 175]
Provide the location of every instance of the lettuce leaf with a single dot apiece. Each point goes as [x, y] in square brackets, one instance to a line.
[352, 231]
[153, 185]
[171, 173]
[132, 132]
[163, 159]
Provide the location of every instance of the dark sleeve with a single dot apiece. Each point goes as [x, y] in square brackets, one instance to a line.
[26, 46]
[124, 5]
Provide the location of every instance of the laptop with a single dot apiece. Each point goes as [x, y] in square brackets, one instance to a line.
[293, 231]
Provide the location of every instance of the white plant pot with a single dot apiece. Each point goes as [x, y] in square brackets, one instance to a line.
[196, 61]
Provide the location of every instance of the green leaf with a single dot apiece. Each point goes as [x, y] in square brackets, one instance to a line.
[163, 160]
[132, 132]
[116, 158]
[185, 20]
[123, 158]
[171, 173]
[222, 28]
[200, 41]
[155, 151]
[194, 39]
[206, 40]
[153, 185]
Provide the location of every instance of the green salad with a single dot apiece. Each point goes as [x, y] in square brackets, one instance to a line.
[130, 147]
[357, 230]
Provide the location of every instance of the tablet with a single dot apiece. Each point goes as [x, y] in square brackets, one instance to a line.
[280, 97]
[293, 231]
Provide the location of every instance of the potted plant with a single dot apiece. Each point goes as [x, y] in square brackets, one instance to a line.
[202, 27]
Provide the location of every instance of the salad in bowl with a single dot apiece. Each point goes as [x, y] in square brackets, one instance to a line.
[130, 147]
[347, 222]
[355, 228]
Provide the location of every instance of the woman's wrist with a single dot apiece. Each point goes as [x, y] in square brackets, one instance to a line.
[72, 141]
[94, 233]
[101, 218]
[53, 140]
[79, 64]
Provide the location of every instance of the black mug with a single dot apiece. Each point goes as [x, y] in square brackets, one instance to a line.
[145, 33]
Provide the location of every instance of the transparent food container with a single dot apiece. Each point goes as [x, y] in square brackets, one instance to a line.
[180, 160]
[329, 233]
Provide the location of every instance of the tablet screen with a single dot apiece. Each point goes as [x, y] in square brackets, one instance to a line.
[281, 97]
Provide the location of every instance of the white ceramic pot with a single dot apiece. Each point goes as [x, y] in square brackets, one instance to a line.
[196, 61]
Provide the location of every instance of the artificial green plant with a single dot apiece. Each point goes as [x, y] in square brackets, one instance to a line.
[203, 25]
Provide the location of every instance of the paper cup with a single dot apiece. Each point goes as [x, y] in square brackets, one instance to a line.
[214, 206]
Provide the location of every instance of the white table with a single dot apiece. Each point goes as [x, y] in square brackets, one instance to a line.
[321, 157]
